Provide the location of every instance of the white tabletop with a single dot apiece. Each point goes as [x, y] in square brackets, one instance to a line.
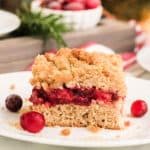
[10, 144]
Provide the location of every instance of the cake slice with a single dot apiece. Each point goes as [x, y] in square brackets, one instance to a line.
[74, 88]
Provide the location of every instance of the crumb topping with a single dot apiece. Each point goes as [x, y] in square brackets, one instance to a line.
[93, 129]
[75, 67]
[12, 87]
[65, 132]
[15, 124]
[127, 123]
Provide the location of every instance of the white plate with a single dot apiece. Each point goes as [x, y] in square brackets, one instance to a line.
[136, 134]
[99, 49]
[9, 22]
[143, 58]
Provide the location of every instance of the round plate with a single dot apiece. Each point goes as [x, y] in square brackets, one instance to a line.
[9, 22]
[143, 58]
[136, 134]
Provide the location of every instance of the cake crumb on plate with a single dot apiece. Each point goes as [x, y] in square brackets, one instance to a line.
[117, 136]
[93, 129]
[129, 115]
[127, 123]
[65, 132]
[15, 124]
[3, 108]
[12, 87]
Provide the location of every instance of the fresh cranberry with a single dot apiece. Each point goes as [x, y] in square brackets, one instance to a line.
[139, 108]
[32, 121]
[91, 4]
[13, 102]
[55, 5]
[74, 6]
[104, 96]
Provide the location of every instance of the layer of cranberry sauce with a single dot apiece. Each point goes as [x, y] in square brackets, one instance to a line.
[76, 95]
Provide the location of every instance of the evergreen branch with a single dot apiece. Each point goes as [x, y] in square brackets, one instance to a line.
[35, 24]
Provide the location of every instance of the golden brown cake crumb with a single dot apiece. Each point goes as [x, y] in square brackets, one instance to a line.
[129, 115]
[71, 115]
[65, 132]
[12, 87]
[16, 125]
[93, 129]
[117, 136]
[25, 109]
[3, 108]
[127, 123]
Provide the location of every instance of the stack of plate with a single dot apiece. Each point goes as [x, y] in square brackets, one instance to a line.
[9, 22]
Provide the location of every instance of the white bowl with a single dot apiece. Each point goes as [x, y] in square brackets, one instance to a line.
[80, 20]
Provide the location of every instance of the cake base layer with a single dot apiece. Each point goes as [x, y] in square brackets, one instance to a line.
[70, 115]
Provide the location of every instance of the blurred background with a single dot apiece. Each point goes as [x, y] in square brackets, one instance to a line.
[45, 25]
[124, 10]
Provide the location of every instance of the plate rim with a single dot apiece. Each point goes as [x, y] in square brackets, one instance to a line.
[38, 140]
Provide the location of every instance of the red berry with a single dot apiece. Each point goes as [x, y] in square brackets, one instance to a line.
[104, 96]
[54, 5]
[32, 121]
[13, 102]
[139, 108]
[90, 4]
[74, 6]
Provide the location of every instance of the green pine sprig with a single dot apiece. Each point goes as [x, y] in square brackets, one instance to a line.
[35, 24]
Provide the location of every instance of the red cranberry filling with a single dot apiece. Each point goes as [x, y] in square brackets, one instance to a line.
[79, 96]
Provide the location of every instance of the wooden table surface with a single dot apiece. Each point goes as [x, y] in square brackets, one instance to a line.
[17, 53]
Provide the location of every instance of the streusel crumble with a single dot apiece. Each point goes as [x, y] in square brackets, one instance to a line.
[74, 88]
